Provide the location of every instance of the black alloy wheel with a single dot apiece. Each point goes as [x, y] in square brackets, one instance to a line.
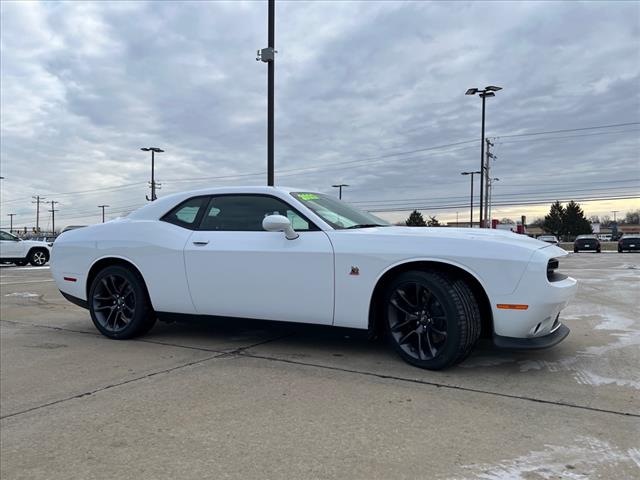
[432, 319]
[119, 303]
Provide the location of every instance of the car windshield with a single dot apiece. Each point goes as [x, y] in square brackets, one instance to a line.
[336, 213]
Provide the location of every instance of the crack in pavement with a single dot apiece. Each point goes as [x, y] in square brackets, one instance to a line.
[241, 352]
[107, 387]
[219, 355]
[441, 385]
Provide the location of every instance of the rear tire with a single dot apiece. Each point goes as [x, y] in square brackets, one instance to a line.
[575, 250]
[38, 257]
[119, 304]
[598, 250]
[432, 319]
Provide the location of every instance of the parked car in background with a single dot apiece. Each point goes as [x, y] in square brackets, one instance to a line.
[629, 242]
[552, 239]
[288, 255]
[21, 252]
[604, 237]
[586, 243]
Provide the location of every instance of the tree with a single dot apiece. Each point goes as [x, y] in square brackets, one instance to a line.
[538, 222]
[605, 220]
[416, 220]
[575, 223]
[554, 222]
[433, 222]
[507, 220]
[632, 217]
[594, 219]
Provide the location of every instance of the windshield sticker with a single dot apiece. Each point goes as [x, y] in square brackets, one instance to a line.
[308, 196]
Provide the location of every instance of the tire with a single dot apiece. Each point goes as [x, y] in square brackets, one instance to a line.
[575, 250]
[619, 250]
[21, 263]
[432, 319]
[598, 250]
[38, 257]
[119, 304]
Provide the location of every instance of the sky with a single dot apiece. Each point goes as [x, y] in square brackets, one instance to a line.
[371, 94]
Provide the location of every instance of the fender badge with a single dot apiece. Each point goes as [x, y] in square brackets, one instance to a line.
[354, 271]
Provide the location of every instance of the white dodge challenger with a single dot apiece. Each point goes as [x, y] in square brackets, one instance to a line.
[283, 254]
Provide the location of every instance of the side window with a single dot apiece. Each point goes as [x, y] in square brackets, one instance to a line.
[5, 236]
[244, 213]
[186, 214]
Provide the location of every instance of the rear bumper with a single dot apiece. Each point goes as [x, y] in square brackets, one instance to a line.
[534, 343]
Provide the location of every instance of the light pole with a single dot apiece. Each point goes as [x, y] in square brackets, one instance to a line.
[267, 55]
[103, 207]
[339, 186]
[153, 151]
[614, 215]
[11, 215]
[490, 199]
[487, 92]
[471, 201]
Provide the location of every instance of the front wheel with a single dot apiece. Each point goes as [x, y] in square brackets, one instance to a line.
[119, 304]
[38, 257]
[432, 319]
[575, 250]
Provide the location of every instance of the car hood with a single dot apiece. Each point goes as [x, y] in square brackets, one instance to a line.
[471, 234]
[35, 243]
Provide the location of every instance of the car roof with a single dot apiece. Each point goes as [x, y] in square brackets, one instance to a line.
[159, 207]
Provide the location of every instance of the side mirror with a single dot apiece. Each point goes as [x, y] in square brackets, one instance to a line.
[279, 223]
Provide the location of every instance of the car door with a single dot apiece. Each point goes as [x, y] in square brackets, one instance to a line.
[235, 268]
[10, 246]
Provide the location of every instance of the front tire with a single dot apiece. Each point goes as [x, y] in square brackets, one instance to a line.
[432, 319]
[38, 257]
[119, 304]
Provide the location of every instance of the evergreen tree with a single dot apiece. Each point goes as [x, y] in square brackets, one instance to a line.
[433, 222]
[575, 223]
[554, 222]
[416, 220]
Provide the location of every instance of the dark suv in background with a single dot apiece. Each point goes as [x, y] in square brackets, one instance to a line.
[586, 242]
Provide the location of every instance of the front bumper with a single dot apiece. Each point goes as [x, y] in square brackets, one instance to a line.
[544, 299]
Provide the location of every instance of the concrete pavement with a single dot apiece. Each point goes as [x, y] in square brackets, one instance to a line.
[250, 399]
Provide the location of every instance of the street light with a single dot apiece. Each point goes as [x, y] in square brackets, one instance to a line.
[340, 185]
[487, 92]
[153, 151]
[471, 202]
[103, 207]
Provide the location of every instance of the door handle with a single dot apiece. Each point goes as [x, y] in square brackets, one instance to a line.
[201, 243]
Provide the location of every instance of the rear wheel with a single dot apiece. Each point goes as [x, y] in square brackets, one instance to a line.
[598, 250]
[119, 304]
[432, 319]
[619, 250]
[575, 250]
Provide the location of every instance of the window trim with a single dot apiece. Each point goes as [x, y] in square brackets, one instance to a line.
[312, 226]
[199, 215]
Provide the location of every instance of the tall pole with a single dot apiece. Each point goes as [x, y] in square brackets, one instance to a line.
[103, 207]
[614, 215]
[487, 184]
[153, 178]
[53, 217]
[471, 204]
[11, 215]
[481, 161]
[270, 94]
[37, 202]
[339, 187]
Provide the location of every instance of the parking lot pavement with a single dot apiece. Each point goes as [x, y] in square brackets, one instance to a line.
[250, 399]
